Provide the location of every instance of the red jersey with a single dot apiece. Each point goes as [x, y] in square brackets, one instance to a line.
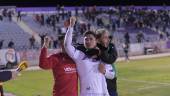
[64, 72]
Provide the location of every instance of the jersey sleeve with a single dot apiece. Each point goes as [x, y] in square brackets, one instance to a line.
[46, 62]
[109, 56]
[69, 48]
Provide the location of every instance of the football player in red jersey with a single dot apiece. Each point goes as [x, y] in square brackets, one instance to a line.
[63, 68]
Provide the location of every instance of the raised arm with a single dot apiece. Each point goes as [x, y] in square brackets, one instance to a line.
[46, 62]
[69, 48]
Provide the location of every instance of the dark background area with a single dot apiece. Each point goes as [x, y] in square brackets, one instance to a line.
[34, 3]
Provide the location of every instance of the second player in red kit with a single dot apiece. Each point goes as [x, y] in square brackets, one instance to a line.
[64, 70]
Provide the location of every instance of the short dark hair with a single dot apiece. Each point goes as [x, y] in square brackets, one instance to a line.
[89, 33]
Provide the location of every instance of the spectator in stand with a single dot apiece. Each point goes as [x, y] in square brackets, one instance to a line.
[11, 62]
[127, 38]
[11, 44]
[167, 34]
[1, 44]
[55, 43]
[88, 26]
[126, 51]
[32, 42]
[19, 16]
[10, 15]
[42, 38]
[76, 11]
[54, 24]
[42, 19]
[48, 20]
[1, 17]
[161, 35]
[140, 37]
[4, 12]
[57, 18]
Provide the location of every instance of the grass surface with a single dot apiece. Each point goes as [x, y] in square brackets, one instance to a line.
[147, 77]
[31, 83]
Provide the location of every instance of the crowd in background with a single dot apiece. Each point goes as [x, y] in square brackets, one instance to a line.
[93, 17]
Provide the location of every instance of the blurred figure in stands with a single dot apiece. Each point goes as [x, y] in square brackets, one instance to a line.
[140, 37]
[10, 15]
[11, 55]
[55, 42]
[11, 44]
[1, 44]
[42, 19]
[19, 16]
[126, 50]
[32, 42]
[127, 38]
[42, 38]
[1, 17]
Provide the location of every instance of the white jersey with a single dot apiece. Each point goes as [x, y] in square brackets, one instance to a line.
[92, 82]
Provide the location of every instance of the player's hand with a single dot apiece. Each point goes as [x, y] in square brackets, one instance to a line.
[102, 68]
[47, 41]
[72, 21]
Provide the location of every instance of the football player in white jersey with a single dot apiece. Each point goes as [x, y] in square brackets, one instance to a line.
[92, 81]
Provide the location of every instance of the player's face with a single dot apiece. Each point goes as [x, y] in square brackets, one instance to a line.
[89, 41]
[105, 38]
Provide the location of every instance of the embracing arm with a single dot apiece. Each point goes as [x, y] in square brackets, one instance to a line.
[109, 71]
[109, 56]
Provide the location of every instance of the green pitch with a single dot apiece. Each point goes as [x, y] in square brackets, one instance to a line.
[148, 77]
